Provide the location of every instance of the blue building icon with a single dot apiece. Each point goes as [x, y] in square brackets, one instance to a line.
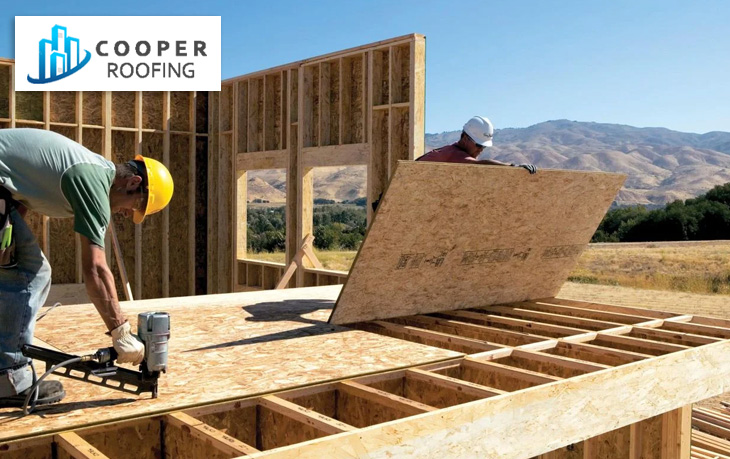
[58, 57]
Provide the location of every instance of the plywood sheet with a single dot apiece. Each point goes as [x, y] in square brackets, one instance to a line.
[222, 347]
[453, 236]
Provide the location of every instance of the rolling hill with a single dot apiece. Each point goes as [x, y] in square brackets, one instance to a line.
[662, 165]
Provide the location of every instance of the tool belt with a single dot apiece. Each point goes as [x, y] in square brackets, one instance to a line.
[7, 238]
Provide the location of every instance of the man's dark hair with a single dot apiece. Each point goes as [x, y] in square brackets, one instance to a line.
[130, 169]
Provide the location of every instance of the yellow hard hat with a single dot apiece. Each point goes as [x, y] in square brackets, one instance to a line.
[159, 187]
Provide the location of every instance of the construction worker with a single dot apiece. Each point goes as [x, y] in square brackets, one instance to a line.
[476, 135]
[52, 175]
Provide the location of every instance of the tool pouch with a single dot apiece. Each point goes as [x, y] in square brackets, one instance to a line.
[7, 238]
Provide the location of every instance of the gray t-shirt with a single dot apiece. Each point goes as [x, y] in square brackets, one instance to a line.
[57, 177]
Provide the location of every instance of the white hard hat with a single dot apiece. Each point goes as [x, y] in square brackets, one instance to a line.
[481, 130]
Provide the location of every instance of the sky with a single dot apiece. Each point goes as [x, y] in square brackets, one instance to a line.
[642, 63]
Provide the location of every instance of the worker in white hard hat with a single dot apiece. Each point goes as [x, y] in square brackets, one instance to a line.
[476, 135]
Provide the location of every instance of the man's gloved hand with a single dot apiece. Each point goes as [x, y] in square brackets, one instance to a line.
[128, 346]
[531, 168]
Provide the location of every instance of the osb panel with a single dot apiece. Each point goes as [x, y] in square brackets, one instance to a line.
[180, 111]
[5, 91]
[358, 412]
[239, 423]
[63, 106]
[63, 250]
[123, 108]
[180, 444]
[610, 445]
[322, 402]
[435, 396]
[276, 430]
[92, 139]
[493, 379]
[140, 440]
[91, 112]
[66, 131]
[650, 433]
[352, 99]
[152, 242]
[480, 235]
[31, 452]
[123, 148]
[180, 215]
[574, 451]
[152, 107]
[29, 105]
[222, 347]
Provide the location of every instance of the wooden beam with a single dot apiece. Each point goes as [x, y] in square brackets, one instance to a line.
[584, 312]
[166, 211]
[76, 446]
[260, 160]
[608, 307]
[567, 362]
[641, 345]
[355, 154]
[466, 387]
[443, 338]
[470, 330]
[532, 377]
[216, 438]
[670, 336]
[629, 394]
[407, 406]
[305, 416]
[521, 325]
[138, 265]
[557, 319]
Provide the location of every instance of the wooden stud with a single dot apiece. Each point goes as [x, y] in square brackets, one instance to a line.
[676, 433]
[403, 404]
[458, 385]
[444, 339]
[138, 265]
[216, 438]
[76, 446]
[299, 413]
[166, 212]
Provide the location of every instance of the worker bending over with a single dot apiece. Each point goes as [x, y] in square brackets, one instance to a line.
[52, 175]
[476, 135]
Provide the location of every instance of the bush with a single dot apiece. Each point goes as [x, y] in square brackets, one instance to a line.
[702, 218]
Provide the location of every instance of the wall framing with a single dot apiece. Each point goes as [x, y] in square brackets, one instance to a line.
[168, 126]
[348, 108]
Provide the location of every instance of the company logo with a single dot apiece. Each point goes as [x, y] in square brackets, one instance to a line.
[58, 57]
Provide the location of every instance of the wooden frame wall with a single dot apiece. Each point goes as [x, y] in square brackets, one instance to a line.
[551, 379]
[362, 106]
[168, 126]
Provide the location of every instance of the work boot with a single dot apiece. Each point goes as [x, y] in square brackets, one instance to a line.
[48, 392]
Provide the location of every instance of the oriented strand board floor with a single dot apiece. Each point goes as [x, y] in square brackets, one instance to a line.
[222, 347]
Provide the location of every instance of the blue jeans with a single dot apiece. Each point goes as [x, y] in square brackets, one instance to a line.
[23, 290]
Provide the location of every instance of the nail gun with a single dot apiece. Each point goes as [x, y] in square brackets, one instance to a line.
[153, 329]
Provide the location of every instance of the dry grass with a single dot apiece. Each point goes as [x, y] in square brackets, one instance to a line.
[336, 260]
[685, 267]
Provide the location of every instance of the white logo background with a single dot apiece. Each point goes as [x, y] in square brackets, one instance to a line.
[90, 30]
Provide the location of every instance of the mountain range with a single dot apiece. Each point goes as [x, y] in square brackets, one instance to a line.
[662, 165]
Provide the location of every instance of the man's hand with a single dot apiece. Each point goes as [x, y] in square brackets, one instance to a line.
[531, 168]
[128, 346]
